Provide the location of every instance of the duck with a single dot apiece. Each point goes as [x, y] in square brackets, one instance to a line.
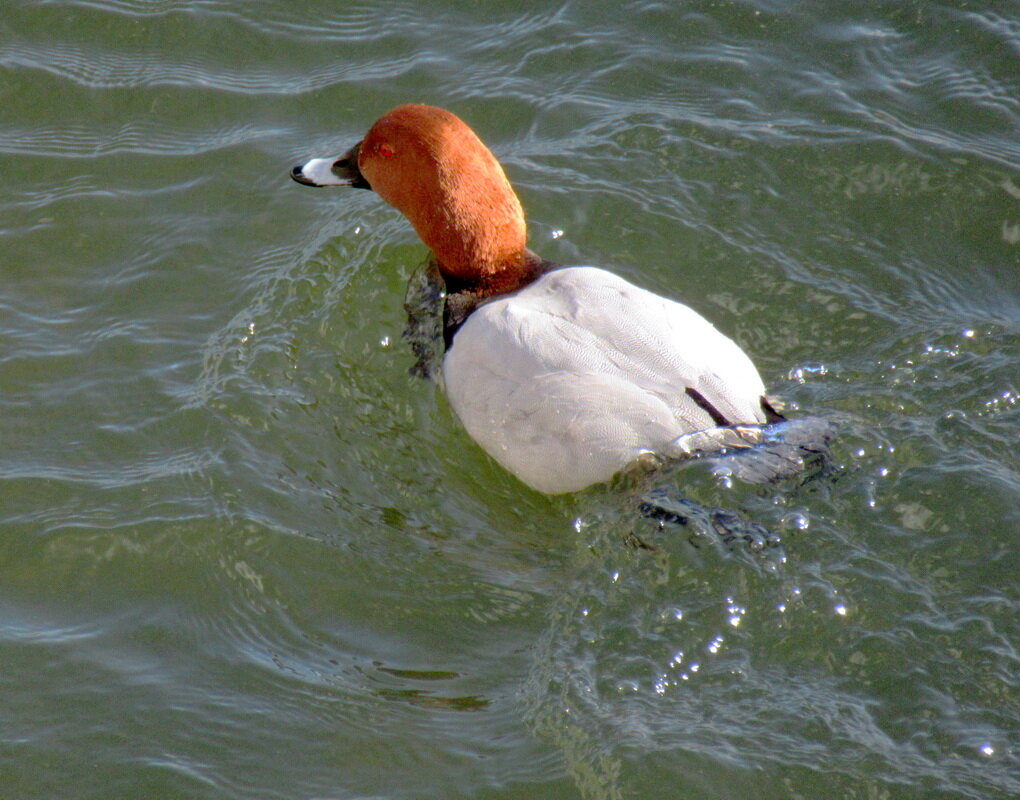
[564, 375]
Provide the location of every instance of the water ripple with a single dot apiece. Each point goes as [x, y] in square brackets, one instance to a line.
[91, 68]
[135, 137]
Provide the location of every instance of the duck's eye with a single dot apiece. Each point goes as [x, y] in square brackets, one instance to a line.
[385, 150]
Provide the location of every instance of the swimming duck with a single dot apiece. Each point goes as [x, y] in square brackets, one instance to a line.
[564, 375]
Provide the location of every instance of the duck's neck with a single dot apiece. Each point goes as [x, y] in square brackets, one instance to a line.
[470, 218]
[509, 276]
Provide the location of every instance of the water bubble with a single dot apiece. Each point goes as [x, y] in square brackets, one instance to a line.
[796, 522]
[801, 374]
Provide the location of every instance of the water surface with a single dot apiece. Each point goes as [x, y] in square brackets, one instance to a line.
[243, 554]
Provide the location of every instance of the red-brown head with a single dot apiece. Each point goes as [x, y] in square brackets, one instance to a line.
[432, 167]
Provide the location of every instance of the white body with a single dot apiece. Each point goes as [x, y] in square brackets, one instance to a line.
[572, 378]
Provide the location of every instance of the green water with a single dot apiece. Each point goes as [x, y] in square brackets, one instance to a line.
[243, 554]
